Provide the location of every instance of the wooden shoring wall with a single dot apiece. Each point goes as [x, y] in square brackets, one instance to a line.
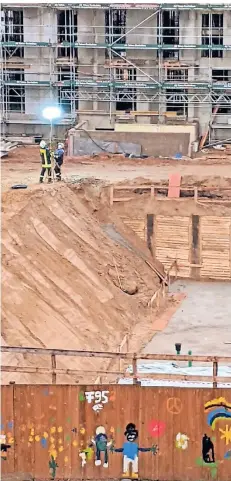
[201, 245]
[51, 431]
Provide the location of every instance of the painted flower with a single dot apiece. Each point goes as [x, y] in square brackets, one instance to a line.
[181, 441]
[156, 428]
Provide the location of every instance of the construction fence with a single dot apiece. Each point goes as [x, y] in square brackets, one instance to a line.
[114, 432]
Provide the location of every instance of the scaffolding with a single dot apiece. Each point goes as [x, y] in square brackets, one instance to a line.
[156, 65]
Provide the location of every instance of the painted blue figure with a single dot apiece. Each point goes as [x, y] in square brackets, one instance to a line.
[131, 451]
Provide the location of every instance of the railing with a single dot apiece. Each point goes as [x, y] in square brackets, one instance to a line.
[131, 358]
[196, 193]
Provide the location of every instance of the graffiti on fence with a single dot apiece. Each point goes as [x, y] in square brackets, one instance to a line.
[131, 450]
[226, 434]
[52, 467]
[97, 398]
[228, 455]
[86, 455]
[4, 446]
[208, 454]
[102, 444]
[182, 441]
[174, 405]
[156, 428]
[219, 409]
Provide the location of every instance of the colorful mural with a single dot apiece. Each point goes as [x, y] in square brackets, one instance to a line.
[217, 410]
[4, 446]
[130, 450]
[63, 435]
[182, 441]
[101, 443]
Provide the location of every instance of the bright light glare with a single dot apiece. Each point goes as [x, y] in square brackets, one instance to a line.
[51, 113]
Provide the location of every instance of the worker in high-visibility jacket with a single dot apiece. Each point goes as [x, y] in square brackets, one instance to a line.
[45, 155]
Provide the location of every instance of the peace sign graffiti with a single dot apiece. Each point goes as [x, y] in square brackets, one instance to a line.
[174, 405]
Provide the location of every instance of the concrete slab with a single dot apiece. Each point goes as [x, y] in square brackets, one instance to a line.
[202, 323]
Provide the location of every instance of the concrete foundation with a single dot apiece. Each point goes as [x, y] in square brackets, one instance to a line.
[152, 144]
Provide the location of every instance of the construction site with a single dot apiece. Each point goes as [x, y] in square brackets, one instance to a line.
[116, 277]
[138, 64]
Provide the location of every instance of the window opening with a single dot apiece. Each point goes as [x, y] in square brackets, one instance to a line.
[67, 31]
[212, 34]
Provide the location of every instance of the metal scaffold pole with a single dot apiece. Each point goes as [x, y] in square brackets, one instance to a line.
[158, 82]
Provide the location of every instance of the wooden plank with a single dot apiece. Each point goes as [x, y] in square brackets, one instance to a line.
[215, 247]
[111, 195]
[7, 429]
[64, 352]
[195, 247]
[112, 355]
[68, 421]
[174, 185]
[46, 370]
[150, 230]
[172, 240]
[181, 377]
[121, 199]
[181, 357]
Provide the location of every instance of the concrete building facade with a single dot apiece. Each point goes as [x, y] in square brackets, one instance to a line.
[108, 63]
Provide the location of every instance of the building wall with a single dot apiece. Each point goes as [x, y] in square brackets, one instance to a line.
[165, 144]
[40, 24]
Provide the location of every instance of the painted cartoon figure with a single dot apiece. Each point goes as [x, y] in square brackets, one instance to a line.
[4, 446]
[130, 452]
[101, 444]
[207, 450]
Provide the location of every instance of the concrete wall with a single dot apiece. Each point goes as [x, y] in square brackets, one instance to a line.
[153, 144]
[161, 129]
[39, 25]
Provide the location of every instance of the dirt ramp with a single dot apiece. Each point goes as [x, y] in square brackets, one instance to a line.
[65, 281]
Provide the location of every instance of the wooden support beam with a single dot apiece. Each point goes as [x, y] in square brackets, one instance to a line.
[53, 365]
[174, 357]
[111, 194]
[113, 355]
[180, 377]
[215, 372]
[134, 369]
[121, 199]
[47, 370]
[65, 352]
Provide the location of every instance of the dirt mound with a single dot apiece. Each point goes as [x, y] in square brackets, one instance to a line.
[67, 284]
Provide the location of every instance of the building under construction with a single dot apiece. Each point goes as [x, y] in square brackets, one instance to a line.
[149, 64]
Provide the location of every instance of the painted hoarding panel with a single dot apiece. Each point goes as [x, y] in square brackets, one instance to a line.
[114, 432]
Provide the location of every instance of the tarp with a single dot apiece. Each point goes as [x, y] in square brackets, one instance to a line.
[91, 147]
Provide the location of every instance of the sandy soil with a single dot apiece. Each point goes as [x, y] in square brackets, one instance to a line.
[65, 281]
[23, 166]
[64, 276]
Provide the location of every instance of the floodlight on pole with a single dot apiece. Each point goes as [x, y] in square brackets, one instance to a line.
[51, 113]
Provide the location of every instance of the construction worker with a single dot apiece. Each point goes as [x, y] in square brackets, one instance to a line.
[46, 162]
[58, 158]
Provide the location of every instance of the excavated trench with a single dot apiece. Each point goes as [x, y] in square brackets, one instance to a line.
[74, 276]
